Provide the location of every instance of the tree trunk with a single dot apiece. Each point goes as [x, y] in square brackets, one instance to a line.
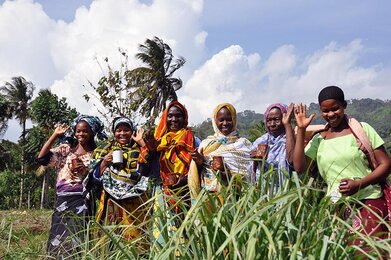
[28, 199]
[44, 194]
[22, 165]
[21, 182]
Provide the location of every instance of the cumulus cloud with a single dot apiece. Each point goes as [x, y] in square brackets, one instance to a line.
[63, 56]
[24, 32]
[242, 79]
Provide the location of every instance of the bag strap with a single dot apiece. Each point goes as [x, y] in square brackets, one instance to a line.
[362, 141]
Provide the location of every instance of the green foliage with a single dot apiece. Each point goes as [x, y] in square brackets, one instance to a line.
[113, 91]
[18, 94]
[9, 155]
[5, 114]
[204, 129]
[47, 110]
[155, 83]
[9, 196]
[142, 91]
[293, 221]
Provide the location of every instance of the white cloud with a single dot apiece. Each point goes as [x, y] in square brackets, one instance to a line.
[63, 56]
[233, 76]
[227, 77]
[24, 29]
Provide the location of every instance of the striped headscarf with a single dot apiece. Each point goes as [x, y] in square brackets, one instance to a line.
[123, 120]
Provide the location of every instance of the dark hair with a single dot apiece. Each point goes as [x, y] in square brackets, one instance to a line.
[331, 92]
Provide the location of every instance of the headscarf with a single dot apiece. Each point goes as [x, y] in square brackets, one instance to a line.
[162, 126]
[175, 147]
[280, 106]
[123, 120]
[96, 126]
[218, 137]
[231, 110]
[235, 150]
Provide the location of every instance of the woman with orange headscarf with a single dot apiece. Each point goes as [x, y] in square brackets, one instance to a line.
[174, 144]
[171, 144]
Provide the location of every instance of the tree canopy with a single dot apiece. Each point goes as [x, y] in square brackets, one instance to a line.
[142, 91]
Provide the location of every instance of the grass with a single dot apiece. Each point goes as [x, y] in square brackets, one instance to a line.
[23, 233]
[292, 222]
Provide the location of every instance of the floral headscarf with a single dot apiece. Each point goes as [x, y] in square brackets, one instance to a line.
[96, 125]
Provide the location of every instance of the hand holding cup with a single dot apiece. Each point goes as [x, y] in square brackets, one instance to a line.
[118, 157]
[261, 151]
[217, 163]
[76, 165]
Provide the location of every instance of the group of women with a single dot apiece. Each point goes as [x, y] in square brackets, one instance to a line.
[174, 159]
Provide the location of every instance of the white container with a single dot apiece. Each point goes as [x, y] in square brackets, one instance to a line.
[118, 158]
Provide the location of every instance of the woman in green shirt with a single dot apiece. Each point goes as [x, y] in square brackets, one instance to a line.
[342, 164]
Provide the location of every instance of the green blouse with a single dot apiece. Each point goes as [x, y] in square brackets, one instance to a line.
[340, 157]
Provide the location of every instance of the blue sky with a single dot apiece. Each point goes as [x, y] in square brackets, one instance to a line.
[250, 53]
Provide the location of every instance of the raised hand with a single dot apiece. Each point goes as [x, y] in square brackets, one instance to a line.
[60, 129]
[302, 121]
[138, 137]
[286, 117]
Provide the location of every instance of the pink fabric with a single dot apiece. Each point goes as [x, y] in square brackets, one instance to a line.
[363, 141]
[368, 221]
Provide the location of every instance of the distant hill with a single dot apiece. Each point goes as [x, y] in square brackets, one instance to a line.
[375, 112]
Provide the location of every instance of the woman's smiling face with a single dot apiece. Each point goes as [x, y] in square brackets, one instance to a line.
[123, 134]
[175, 119]
[333, 111]
[224, 121]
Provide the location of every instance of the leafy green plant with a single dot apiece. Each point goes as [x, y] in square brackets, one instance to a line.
[242, 221]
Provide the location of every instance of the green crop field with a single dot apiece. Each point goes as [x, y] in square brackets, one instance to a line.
[292, 222]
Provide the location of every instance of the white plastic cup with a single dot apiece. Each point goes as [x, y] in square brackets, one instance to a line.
[118, 158]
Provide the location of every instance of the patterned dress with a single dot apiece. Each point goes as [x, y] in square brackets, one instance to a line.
[72, 209]
[124, 195]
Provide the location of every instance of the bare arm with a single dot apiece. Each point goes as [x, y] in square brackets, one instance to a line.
[59, 131]
[302, 121]
[381, 172]
[290, 140]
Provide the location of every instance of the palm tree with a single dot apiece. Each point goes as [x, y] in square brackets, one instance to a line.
[18, 94]
[5, 115]
[154, 84]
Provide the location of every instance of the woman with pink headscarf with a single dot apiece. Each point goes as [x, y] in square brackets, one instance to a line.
[279, 141]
